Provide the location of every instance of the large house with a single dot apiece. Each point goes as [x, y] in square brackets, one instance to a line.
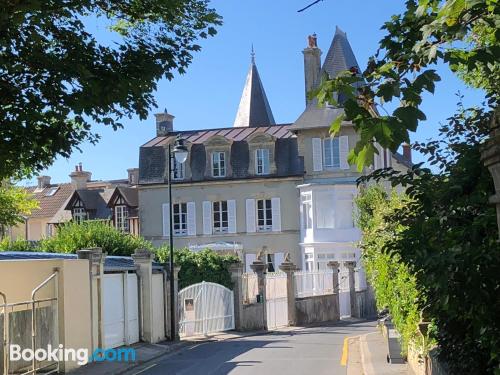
[115, 201]
[259, 186]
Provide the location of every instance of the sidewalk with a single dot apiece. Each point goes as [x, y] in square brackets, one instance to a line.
[368, 356]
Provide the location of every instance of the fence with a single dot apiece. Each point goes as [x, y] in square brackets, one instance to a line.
[250, 286]
[313, 283]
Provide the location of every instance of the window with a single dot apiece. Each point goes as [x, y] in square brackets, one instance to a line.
[121, 218]
[262, 161]
[325, 209]
[221, 222]
[180, 219]
[219, 164]
[51, 191]
[331, 153]
[79, 214]
[49, 230]
[264, 215]
[178, 170]
[307, 211]
[270, 263]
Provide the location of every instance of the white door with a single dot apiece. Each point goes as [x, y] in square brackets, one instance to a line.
[120, 309]
[276, 300]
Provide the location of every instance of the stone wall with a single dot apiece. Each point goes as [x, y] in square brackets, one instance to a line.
[317, 309]
[252, 317]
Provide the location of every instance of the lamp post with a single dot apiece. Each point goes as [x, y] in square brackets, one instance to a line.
[179, 154]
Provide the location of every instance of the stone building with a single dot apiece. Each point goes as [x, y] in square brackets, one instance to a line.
[262, 186]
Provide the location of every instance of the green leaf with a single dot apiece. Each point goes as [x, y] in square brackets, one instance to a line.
[335, 126]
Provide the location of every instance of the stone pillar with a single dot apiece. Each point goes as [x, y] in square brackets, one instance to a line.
[288, 267]
[236, 270]
[168, 300]
[312, 67]
[334, 266]
[259, 267]
[352, 289]
[96, 258]
[143, 259]
[490, 155]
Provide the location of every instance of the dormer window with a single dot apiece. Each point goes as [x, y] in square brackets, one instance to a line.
[178, 170]
[262, 161]
[331, 153]
[218, 164]
[79, 215]
[121, 218]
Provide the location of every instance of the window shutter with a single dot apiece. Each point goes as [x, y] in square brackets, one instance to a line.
[266, 161]
[276, 214]
[231, 216]
[207, 217]
[344, 151]
[191, 219]
[250, 213]
[165, 219]
[317, 154]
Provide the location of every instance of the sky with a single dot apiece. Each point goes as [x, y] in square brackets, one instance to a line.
[207, 96]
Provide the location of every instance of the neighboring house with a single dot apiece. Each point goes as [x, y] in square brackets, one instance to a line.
[261, 186]
[81, 199]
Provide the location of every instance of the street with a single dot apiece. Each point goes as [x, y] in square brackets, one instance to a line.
[316, 350]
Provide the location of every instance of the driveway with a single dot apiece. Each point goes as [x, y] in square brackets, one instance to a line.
[310, 351]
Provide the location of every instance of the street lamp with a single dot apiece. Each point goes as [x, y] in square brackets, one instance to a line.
[179, 154]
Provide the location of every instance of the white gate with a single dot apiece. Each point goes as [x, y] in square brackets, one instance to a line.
[276, 300]
[120, 309]
[205, 308]
[158, 308]
[344, 293]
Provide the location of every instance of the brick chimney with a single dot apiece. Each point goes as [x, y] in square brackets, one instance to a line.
[43, 181]
[79, 177]
[312, 65]
[407, 151]
[164, 123]
[133, 176]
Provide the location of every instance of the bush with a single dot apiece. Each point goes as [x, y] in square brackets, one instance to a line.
[72, 236]
[6, 244]
[206, 265]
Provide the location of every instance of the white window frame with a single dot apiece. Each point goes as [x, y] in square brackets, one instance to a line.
[264, 224]
[79, 214]
[218, 164]
[262, 161]
[178, 170]
[331, 153]
[179, 215]
[219, 224]
[121, 218]
[307, 208]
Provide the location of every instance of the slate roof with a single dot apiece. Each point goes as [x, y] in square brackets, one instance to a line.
[130, 195]
[340, 55]
[49, 205]
[95, 200]
[254, 109]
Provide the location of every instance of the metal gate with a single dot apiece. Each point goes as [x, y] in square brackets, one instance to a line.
[120, 309]
[205, 308]
[276, 300]
[344, 293]
[30, 324]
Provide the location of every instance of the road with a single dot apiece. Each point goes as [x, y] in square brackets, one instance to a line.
[311, 351]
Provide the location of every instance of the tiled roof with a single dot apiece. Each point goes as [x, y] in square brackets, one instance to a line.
[50, 205]
[232, 134]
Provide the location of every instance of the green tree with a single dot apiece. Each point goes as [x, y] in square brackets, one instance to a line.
[15, 203]
[57, 77]
[463, 34]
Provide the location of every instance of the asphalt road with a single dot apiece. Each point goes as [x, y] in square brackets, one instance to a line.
[310, 351]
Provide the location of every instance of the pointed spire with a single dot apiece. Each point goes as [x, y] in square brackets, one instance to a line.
[254, 109]
[340, 55]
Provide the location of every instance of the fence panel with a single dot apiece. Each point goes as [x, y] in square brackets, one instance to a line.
[313, 283]
[276, 300]
[250, 288]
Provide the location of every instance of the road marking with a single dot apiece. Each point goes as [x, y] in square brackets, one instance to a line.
[146, 369]
[345, 350]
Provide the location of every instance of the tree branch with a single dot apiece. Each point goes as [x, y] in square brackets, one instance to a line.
[310, 5]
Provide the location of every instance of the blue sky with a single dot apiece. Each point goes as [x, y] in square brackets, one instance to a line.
[208, 94]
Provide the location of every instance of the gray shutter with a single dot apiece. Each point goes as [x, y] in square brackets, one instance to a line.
[250, 214]
[344, 151]
[317, 155]
[207, 217]
[276, 214]
[191, 219]
[165, 207]
[231, 216]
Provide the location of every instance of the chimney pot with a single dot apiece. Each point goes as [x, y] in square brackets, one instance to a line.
[407, 152]
[79, 177]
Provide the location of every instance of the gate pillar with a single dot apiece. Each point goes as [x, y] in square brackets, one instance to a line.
[168, 300]
[288, 267]
[259, 267]
[143, 259]
[352, 289]
[334, 266]
[236, 270]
